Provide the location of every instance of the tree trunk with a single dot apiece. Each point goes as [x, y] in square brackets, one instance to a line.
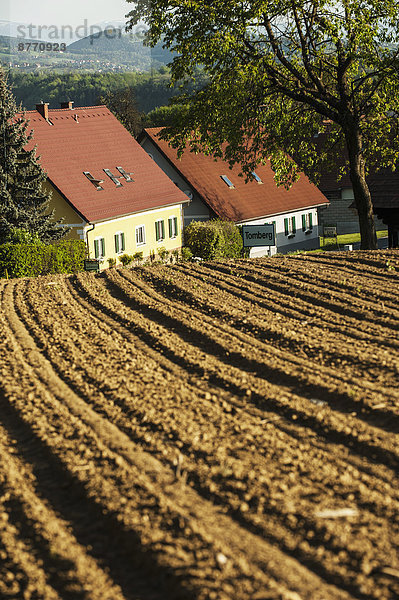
[361, 190]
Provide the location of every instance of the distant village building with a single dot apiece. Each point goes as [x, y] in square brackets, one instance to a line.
[216, 191]
[104, 184]
[341, 211]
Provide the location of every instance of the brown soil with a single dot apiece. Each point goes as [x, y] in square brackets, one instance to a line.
[192, 431]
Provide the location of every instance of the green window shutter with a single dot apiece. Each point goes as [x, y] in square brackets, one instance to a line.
[122, 241]
[157, 230]
[293, 225]
[175, 224]
[116, 236]
[310, 220]
[96, 249]
[303, 222]
[102, 247]
[162, 230]
[170, 223]
[286, 228]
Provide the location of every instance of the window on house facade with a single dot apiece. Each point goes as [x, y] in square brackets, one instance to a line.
[140, 235]
[172, 222]
[290, 226]
[307, 222]
[227, 181]
[119, 242]
[99, 247]
[96, 182]
[159, 230]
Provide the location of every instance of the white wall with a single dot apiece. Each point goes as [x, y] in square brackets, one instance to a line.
[198, 211]
[300, 240]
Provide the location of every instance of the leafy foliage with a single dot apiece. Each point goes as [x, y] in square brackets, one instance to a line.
[32, 260]
[126, 259]
[23, 201]
[164, 116]
[163, 253]
[213, 239]
[279, 74]
[186, 254]
[124, 106]
[148, 90]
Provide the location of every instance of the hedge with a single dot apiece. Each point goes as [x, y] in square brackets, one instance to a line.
[213, 239]
[32, 260]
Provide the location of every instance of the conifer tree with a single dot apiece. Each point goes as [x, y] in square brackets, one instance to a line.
[24, 203]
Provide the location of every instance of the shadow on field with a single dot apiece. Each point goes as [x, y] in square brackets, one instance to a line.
[119, 550]
[337, 401]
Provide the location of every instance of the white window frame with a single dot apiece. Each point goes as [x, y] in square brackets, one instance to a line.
[101, 247]
[307, 219]
[121, 242]
[290, 231]
[173, 227]
[160, 239]
[140, 227]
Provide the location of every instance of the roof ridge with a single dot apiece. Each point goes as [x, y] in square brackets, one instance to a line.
[33, 111]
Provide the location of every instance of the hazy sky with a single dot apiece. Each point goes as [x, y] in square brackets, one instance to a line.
[71, 12]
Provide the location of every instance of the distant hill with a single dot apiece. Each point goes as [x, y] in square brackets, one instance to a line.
[111, 50]
[112, 43]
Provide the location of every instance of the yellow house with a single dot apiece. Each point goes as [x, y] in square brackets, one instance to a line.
[104, 185]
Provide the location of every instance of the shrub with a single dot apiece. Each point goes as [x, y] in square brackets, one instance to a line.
[111, 262]
[213, 239]
[22, 236]
[186, 253]
[126, 259]
[32, 260]
[163, 253]
[138, 257]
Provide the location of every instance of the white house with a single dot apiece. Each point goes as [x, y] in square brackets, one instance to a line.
[216, 191]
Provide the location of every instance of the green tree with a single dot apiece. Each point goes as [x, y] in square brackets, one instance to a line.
[124, 106]
[281, 72]
[23, 201]
[163, 116]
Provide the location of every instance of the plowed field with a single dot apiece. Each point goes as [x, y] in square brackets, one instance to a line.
[222, 431]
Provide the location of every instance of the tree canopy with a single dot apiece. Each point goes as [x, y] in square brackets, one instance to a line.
[280, 73]
[24, 202]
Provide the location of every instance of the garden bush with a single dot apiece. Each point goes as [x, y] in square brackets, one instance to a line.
[213, 239]
[34, 259]
[126, 259]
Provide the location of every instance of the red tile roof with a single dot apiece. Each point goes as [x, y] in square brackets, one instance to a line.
[92, 139]
[247, 200]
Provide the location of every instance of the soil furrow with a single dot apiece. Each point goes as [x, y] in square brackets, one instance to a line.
[97, 293]
[312, 342]
[281, 303]
[177, 433]
[254, 521]
[206, 526]
[317, 296]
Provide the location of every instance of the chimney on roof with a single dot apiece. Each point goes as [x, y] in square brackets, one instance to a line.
[67, 104]
[42, 108]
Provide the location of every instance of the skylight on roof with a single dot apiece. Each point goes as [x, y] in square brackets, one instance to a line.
[256, 177]
[227, 181]
[96, 182]
[126, 175]
[114, 178]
